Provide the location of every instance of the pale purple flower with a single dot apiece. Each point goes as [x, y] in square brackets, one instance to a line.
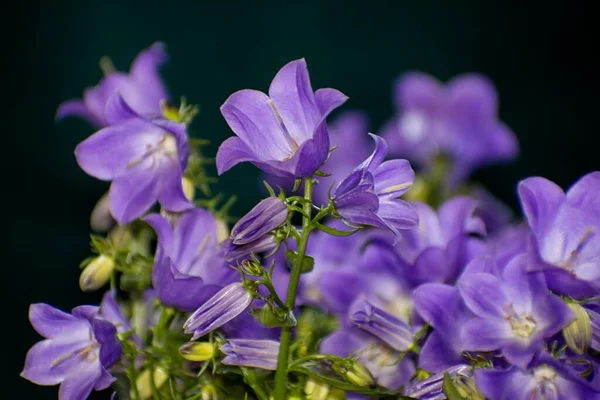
[283, 133]
[189, 266]
[544, 379]
[458, 120]
[77, 352]
[144, 159]
[224, 306]
[432, 388]
[566, 233]
[252, 233]
[251, 353]
[111, 312]
[142, 89]
[369, 194]
[513, 314]
[380, 323]
[442, 307]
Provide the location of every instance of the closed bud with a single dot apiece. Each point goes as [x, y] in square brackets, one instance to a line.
[316, 390]
[189, 189]
[195, 351]
[578, 334]
[144, 383]
[354, 372]
[209, 392]
[96, 273]
[252, 267]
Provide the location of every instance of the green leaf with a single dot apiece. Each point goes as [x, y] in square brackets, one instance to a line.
[450, 390]
[308, 263]
[334, 232]
[297, 184]
[322, 173]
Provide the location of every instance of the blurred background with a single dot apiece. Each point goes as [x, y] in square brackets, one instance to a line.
[539, 56]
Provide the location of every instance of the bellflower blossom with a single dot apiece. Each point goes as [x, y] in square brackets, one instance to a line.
[544, 379]
[458, 120]
[369, 195]
[566, 233]
[77, 352]
[189, 267]
[284, 134]
[514, 314]
[142, 89]
[251, 353]
[251, 234]
[224, 306]
[144, 159]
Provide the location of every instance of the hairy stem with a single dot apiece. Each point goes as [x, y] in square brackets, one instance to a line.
[286, 331]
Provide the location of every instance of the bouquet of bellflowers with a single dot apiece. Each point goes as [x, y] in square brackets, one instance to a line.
[354, 279]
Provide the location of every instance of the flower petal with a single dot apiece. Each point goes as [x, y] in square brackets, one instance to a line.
[438, 354]
[393, 178]
[480, 334]
[77, 108]
[329, 99]
[540, 199]
[416, 90]
[117, 110]
[51, 322]
[78, 386]
[482, 293]
[133, 194]
[232, 152]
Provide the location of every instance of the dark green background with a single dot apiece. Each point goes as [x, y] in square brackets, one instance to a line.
[538, 54]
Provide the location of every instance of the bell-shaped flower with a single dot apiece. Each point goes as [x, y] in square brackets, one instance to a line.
[78, 350]
[251, 353]
[221, 308]
[369, 194]
[283, 133]
[544, 379]
[458, 120]
[189, 266]
[144, 159]
[142, 89]
[252, 233]
[566, 233]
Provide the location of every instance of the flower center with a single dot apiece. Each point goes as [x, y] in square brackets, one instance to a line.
[523, 325]
[413, 126]
[573, 256]
[165, 147]
[544, 373]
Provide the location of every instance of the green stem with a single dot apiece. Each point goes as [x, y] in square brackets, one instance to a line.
[286, 331]
[134, 392]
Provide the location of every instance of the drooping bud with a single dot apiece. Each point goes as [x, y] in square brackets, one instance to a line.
[96, 273]
[266, 216]
[354, 371]
[578, 333]
[255, 353]
[189, 189]
[197, 351]
[144, 383]
[224, 306]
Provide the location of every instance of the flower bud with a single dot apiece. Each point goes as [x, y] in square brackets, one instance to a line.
[578, 334]
[101, 220]
[316, 390]
[195, 351]
[266, 216]
[96, 273]
[144, 384]
[209, 392]
[354, 372]
[188, 188]
[252, 267]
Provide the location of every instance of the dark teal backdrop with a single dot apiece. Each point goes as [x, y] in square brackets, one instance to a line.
[538, 54]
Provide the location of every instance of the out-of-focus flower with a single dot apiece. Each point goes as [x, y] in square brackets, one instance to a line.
[77, 351]
[566, 233]
[142, 89]
[189, 266]
[284, 134]
[514, 314]
[144, 159]
[251, 353]
[458, 121]
[224, 306]
[544, 379]
[369, 195]
[251, 234]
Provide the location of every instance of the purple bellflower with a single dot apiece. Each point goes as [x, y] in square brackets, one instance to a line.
[369, 195]
[77, 352]
[252, 233]
[251, 353]
[189, 266]
[546, 378]
[514, 314]
[144, 158]
[442, 307]
[284, 134]
[458, 120]
[142, 89]
[566, 232]
[224, 306]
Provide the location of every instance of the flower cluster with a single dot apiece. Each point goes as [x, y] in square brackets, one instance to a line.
[358, 279]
